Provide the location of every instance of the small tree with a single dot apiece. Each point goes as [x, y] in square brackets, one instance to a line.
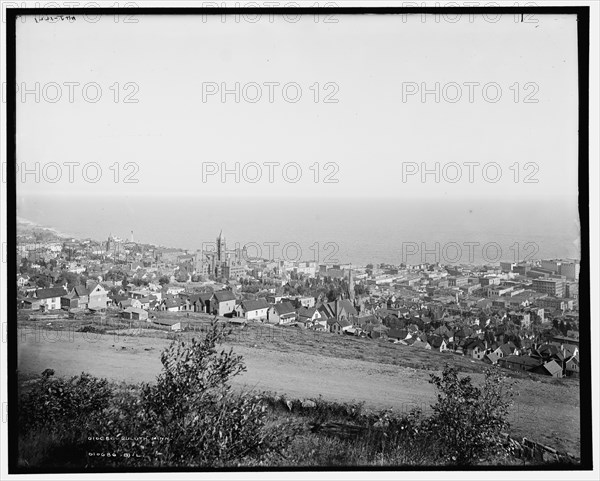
[468, 420]
[191, 417]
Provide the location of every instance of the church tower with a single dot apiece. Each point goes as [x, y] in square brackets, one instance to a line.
[351, 286]
[221, 247]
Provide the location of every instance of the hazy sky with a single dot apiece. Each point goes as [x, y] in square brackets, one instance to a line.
[375, 129]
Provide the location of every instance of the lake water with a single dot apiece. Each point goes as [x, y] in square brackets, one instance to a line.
[331, 231]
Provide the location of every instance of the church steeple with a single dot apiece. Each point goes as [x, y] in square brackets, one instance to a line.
[351, 285]
[221, 246]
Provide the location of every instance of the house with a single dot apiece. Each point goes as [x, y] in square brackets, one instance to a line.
[135, 314]
[572, 367]
[202, 302]
[30, 303]
[438, 343]
[281, 313]
[174, 290]
[491, 358]
[97, 297]
[145, 302]
[307, 302]
[338, 326]
[475, 349]
[171, 324]
[170, 305]
[222, 303]
[253, 310]
[421, 344]
[444, 332]
[49, 298]
[138, 294]
[398, 334]
[550, 368]
[78, 297]
[519, 363]
[116, 299]
[135, 303]
[308, 315]
[549, 352]
[354, 331]
[504, 350]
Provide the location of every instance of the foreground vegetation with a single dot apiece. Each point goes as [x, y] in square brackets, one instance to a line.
[190, 417]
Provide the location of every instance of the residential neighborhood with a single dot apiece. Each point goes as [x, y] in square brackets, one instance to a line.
[521, 316]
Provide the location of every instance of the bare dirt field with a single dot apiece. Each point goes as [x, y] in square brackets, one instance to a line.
[544, 411]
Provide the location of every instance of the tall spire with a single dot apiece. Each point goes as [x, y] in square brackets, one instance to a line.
[351, 285]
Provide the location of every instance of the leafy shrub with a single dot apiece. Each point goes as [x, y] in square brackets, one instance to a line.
[190, 417]
[467, 421]
[62, 403]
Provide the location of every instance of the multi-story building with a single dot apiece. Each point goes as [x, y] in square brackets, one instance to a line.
[552, 287]
[570, 269]
[498, 290]
[220, 262]
[458, 281]
[507, 266]
[551, 265]
[560, 304]
[572, 289]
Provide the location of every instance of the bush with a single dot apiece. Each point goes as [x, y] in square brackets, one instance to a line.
[190, 417]
[467, 421]
[63, 404]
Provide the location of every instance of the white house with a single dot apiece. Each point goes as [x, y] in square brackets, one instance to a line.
[282, 313]
[253, 310]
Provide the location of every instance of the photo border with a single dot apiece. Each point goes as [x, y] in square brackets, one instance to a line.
[583, 48]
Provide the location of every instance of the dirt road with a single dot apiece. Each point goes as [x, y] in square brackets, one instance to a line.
[545, 412]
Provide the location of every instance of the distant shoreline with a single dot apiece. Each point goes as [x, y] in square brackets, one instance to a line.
[53, 230]
[65, 236]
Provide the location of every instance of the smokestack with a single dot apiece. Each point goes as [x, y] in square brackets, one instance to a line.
[131, 236]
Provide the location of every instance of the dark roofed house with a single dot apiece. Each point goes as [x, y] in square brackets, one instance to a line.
[475, 349]
[50, 298]
[519, 363]
[491, 358]
[76, 298]
[281, 313]
[338, 326]
[308, 315]
[171, 305]
[202, 302]
[253, 310]
[397, 334]
[117, 299]
[438, 343]
[550, 368]
[222, 303]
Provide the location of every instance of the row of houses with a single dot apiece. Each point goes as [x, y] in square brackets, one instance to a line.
[54, 298]
[556, 359]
